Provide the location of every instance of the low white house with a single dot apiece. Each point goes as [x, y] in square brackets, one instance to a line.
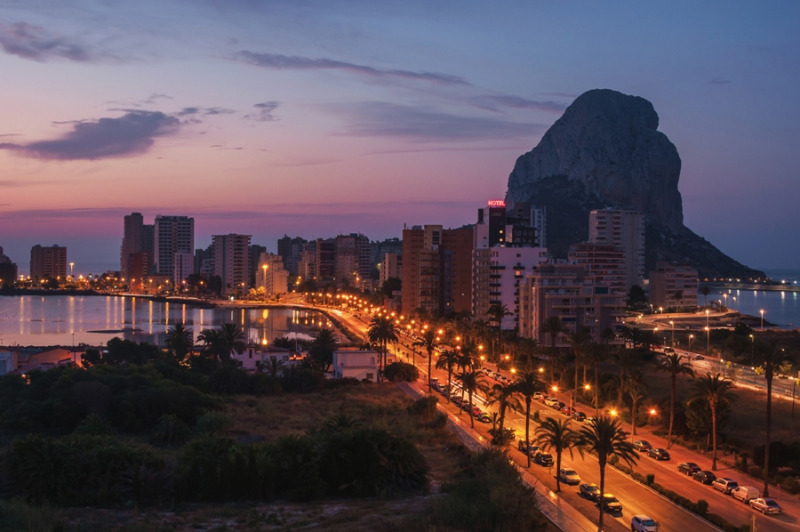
[253, 356]
[355, 363]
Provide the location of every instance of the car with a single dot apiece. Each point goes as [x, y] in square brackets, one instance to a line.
[669, 351]
[551, 401]
[530, 448]
[725, 484]
[658, 453]
[704, 477]
[610, 503]
[567, 410]
[560, 405]
[643, 523]
[484, 417]
[765, 505]
[456, 400]
[590, 491]
[567, 475]
[465, 406]
[688, 468]
[578, 416]
[589, 419]
[699, 357]
[745, 493]
[476, 411]
[642, 445]
[538, 396]
[543, 459]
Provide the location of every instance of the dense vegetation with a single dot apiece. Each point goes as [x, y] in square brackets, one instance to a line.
[141, 429]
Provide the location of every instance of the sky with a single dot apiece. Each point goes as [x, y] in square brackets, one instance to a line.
[318, 118]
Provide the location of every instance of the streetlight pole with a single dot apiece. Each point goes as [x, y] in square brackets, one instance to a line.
[708, 339]
[762, 318]
[672, 326]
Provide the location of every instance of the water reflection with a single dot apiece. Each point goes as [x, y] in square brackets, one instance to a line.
[93, 320]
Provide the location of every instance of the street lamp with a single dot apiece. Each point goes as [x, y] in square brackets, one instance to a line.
[691, 337]
[672, 326]
[708, 339]
[762, 318]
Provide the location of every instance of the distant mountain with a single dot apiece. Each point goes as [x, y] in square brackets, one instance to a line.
[605, 151]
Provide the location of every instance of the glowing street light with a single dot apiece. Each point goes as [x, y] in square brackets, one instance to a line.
[762, 318]
[672, 326]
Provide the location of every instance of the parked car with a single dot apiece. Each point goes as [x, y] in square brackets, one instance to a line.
[725, 485]
[578, 415]
[567, 410]
[538, 396]
[765, 505]
[658, 453]
[642, 523]
[476, 411]
[484, 417]
[524, 446]
[688, 468]
[590, 490]
[551, 401]
[642, 445]
[745, 493]
[543, 459]
[456, 400]
[704, 477]
[611, 504]
[567, 475]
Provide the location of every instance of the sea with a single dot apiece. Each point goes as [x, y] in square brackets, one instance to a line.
[93, 320]
[781, 307]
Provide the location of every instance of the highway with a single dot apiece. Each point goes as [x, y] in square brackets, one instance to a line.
[635, 497]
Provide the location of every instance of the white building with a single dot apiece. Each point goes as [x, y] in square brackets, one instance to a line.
[356, 364]
[184, 267]
[271, 274]
[254, 357]
[496, 274]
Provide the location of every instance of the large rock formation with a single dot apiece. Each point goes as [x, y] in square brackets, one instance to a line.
[605, 151]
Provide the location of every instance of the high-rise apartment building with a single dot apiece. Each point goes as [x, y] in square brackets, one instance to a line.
[291, 249]
[272, 275]
[172, 234]
[232, 262]
[437, 269]
[353, 267]
[572, 294]
[605, 262]
[48, 262]
[673, 286]
[625, 230]
[136, 252]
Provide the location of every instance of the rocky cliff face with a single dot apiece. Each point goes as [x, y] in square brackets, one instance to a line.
[605, 151]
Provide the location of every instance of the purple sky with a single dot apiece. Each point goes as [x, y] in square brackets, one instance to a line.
[319, 118]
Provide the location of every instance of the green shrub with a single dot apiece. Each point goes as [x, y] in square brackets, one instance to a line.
[702, 507]
[650, 479]
[400, 371]
[213, 423]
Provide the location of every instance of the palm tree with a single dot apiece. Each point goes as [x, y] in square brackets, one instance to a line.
[705, 290]
[672, 364]
[604, 436]
[503, 396]
[768, 356]
[578, 340]
[211, 340]
[448, 361]
[274, 366]
[179, 339]
[716, 392]
[382, 330]
[597, 353]
[322, 348]
[428, 341]
[526, 385]
[471, 382]
[624, 359]
[633, 386]
[496, 313]
[553, 326]
[558, 435]
[231, 338]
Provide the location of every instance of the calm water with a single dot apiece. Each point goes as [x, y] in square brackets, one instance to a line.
[781, 308]
[93, 320]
